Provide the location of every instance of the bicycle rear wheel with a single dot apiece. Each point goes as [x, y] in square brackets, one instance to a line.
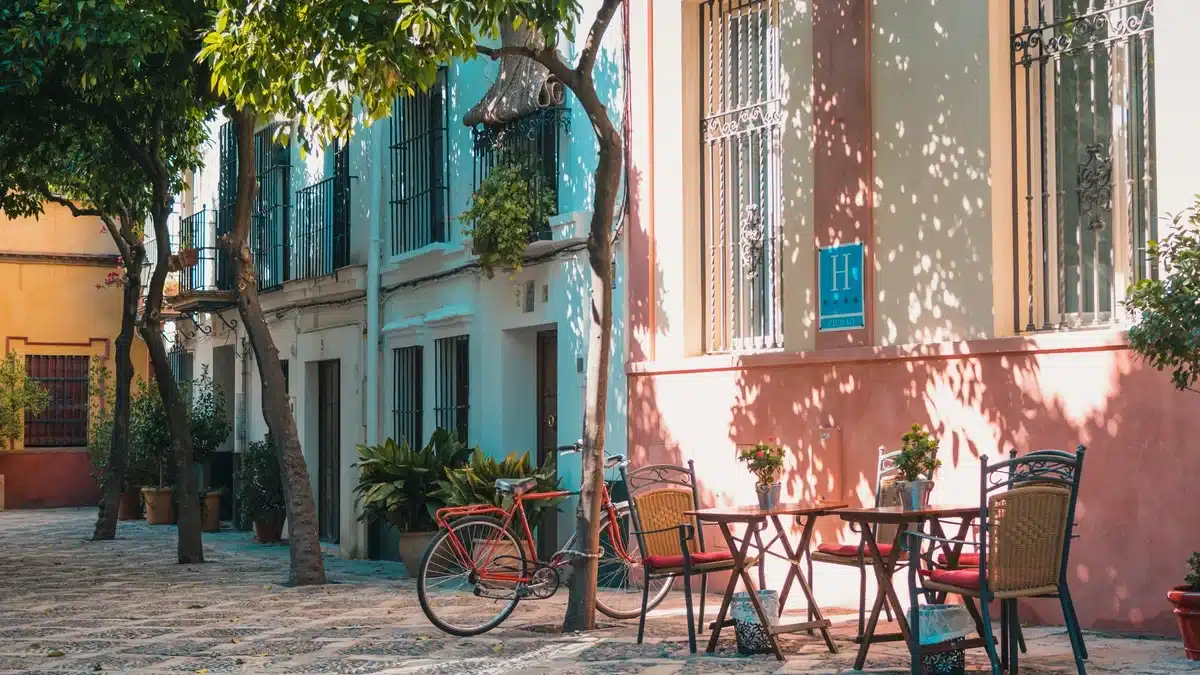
[449, 587]
[621, 579]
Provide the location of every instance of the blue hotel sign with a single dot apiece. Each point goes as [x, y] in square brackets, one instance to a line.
[840, 289]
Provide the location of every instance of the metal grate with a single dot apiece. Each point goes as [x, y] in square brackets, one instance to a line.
[1083, 158]
[407, 395]
[452, 358]
[420, 198]
[64, 422]
[226, 195]
[320, 241]
[269, 230]
[534, 141]
[741, 132]
[197, 233]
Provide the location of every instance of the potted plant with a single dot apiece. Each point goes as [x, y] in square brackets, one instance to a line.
[765, 461]
[397, 484]
[210, 428]
[260, 490]
[917, 462]
[20, 395]
[511, 203]
[1164, 335]
[150, 445]
[210, 510]
[476, 484]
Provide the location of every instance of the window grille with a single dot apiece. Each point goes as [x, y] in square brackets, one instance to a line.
[419, 200]
[407, 395]
[64, 422]
[453, 384]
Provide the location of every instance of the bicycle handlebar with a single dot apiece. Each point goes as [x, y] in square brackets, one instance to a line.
[577, 446]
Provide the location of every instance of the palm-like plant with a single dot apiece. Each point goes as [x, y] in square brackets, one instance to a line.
[398, 484]
[476, 482]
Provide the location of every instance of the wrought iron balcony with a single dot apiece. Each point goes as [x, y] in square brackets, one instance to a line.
[198, 243]
[320, 241]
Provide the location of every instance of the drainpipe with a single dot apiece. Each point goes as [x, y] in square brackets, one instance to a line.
[374, 253]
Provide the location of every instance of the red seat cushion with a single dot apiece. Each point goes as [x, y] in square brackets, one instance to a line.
[851, 550]
[668, 561]
[964, 559]
[968, 578]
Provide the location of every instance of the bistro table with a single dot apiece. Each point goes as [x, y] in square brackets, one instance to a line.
[755, 519]
[885, 566]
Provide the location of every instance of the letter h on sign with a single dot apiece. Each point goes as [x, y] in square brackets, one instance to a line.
[840, 289]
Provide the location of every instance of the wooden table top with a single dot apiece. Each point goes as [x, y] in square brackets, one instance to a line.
[748, 514]
[898, 515]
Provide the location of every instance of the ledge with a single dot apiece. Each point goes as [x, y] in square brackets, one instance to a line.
[445, 316]
[1046, 343]
[437, 249]
[79, 259]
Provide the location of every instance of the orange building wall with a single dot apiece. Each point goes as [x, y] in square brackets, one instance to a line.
[55, 308]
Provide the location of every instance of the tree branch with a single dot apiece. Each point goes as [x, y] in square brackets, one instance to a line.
[591, 48]
[547, 56]
[75, 210]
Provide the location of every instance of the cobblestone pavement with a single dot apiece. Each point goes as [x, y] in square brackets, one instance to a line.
[72, 606]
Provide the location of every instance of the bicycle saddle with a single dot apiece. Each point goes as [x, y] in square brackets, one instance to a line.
[515, 486]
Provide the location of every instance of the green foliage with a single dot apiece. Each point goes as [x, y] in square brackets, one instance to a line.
[149, 433]
[476, 483]
[259, 483]
[398, 484]
[1167, 333]
[1193, 576]
[918, 454]
[100, 420]
[507, 206]
[19, 395]
[208, 419]
[765, 461]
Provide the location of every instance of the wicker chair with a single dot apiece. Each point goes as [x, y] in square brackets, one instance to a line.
[850, 555]
[672, 543]
[1027, 511]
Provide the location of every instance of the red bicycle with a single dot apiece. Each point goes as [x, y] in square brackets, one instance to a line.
[483, 561]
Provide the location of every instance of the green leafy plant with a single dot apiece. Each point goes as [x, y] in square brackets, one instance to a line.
[258, 481]
[19, 395]
[918, 454]
[1193, 576]
[510, 202]
[398, 484]
[476, 482]
[765, 461]
[1167, 332]
[149, 436]
[208, 419]
[100, 420]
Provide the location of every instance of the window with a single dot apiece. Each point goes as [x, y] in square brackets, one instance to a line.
[742, 116]
[226, 194]
[287, 384]
[64, 423]
[181, 361]
[419, 200]
[407, 395]
[269, 228]
[1083, 123]
[533, 141]
[452, 359]
[320, 243]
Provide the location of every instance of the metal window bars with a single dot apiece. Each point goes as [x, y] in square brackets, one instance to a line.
[741, 127]
[419, 195]
[1083, 199]
[320, 240]
[453, 384]
[407, 395]
[64, 422]
[270, 224]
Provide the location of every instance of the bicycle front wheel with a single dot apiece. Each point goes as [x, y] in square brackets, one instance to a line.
[621, 579]
[465, 584]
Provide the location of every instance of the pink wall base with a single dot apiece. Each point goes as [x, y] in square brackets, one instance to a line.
[48, 479]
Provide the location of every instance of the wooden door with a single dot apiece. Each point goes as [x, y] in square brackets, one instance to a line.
[547, 428]
[329, 449]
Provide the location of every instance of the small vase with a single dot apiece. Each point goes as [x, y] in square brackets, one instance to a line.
[768, 495]
[914, 494]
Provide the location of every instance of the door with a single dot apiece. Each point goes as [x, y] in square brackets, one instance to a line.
[547, 429]
[328, 449]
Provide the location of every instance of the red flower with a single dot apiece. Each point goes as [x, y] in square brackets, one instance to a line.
[759, 454]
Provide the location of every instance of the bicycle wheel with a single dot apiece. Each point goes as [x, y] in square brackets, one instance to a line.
[451, 593]
[620, 580]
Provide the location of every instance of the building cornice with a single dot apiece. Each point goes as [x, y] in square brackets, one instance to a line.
[79, 259]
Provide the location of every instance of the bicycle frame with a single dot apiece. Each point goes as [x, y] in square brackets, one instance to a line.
[444, 515]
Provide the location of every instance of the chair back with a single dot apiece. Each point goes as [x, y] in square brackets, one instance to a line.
[887, 492]
[659, 496]
[1027, 511]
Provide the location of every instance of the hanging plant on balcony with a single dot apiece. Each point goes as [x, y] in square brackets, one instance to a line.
[511, 202]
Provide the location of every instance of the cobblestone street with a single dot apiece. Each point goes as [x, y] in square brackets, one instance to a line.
[72, 606]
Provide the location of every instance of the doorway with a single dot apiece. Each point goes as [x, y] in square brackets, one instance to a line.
[547, 429]
[329, 449]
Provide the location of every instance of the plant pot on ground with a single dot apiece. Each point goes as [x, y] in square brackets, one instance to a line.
[160, 505]
[130, 506]
[917, 463]
[259, 489]
[1186, 599]
[211, 511]
[396, 483]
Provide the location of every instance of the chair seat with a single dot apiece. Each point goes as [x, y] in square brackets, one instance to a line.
[851, 550]
[515, 486]
[704, 558]
[964, 559]
[964, 578]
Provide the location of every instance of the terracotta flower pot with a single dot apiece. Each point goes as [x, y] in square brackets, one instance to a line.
[130, 506]
[268, 529]
[412, 550]
[212, 512]
[1187, 611]
[160, 505]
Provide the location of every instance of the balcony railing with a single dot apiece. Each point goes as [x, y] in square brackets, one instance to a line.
[269, 244]
[534, 141]
[320, 241]
[211, 271]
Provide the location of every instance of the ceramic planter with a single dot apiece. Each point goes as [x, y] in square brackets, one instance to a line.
[160, 505]
[412, 550]
[768, 495]
[914, 494]
[1187, 612]
[268, 528]
[130, 506]
[212, 512]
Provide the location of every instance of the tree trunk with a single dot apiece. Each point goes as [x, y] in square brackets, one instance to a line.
[307, 567]
[190, 548]
[114, 479]
[581, 602]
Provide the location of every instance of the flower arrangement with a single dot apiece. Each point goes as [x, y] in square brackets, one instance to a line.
[765, 461]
